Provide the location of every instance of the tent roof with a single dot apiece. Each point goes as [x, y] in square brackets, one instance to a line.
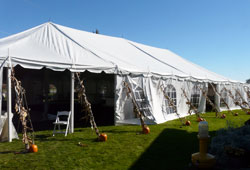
[58, 47]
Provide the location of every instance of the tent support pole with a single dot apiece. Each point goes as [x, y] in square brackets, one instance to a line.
[72, 89]
[9, 105]
[115, 98]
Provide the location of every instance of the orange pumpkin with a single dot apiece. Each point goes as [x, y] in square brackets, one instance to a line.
[146, 130]
[33, 148]
[188, 123]
[200, 119]
[223, 116]
[103, 137]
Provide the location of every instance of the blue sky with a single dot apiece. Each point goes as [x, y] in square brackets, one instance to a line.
[212, 33]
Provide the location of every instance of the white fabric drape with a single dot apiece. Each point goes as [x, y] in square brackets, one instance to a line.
[156, 105]
[1, 84]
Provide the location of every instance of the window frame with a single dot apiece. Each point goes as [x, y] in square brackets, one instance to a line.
[195, 96]
[171, 92]
[224, 95]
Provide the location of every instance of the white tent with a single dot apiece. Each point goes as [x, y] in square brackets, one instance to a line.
[146, 68]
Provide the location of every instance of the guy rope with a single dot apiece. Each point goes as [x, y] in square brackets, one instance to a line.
[87, 106]
[189, 103]
[171, 103]
[145, 128]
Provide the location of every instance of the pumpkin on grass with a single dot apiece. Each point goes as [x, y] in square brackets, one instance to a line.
[200, 119]
[103, 137]
[223, 116]
[146, 130]
[33, 148]
[188, 123]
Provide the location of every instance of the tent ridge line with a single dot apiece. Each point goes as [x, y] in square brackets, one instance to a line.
[155, 57]
[79, 44]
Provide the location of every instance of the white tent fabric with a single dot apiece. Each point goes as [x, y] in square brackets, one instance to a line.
[3, 117]
[145, 68]
[4, 128]
[156, 102]
[1, 83]
[58, 47]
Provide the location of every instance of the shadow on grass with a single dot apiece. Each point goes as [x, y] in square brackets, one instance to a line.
[7, 152]
[122, 131]
[69, 138]
[42, 138]
[172, 149]
[21, 151]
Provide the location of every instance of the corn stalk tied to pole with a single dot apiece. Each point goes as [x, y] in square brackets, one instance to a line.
[21, 108]
[222, 99]
[243, 100]
[247, 92]
[136, 107]
[191, 106]
[238, 103]
[86, 104]
[204, 93]
[171, 103]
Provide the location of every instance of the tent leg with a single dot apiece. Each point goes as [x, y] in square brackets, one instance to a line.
[9, 106]
[1, 86]
[115, 98]
[217, 98]
[72, 89]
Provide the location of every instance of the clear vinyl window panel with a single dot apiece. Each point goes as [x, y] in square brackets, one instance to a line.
[223, 97]
[247, 90]
[195, 96]
[142, 101]
[170, 91]
[248, 98]
[238, 98]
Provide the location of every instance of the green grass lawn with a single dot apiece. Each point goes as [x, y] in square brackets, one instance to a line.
[168, 146]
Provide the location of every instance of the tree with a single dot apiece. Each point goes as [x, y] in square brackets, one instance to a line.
[248, 81]
[96, 31]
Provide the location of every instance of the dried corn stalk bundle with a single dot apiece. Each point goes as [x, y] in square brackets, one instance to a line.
[86, 105]
[238, 103]
[22, 110]
[222, 99]
[214, 108]
[136, 107]
[247, 92]
[171, 103]
[244, 103]
[191, 106]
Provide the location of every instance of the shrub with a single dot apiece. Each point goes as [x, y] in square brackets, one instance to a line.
[231, 146]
